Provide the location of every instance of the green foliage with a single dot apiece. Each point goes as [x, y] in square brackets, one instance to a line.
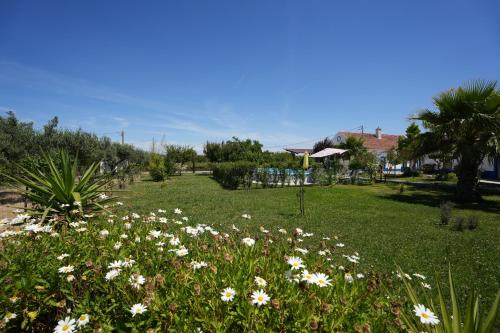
[233, 150]
[323, 144]
[177, 156]
[409, 145]
[60, 192]
[21, 144]
[466, 126]
[354, 146]
[180, 297]
[470, 320]
[383, 225]
[233, 174]
[156, 167]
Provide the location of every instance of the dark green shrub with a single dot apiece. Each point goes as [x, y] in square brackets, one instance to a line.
[233, 174]
[472, 222]
[459, 224]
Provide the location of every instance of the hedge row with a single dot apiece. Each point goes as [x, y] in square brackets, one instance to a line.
[234, 174]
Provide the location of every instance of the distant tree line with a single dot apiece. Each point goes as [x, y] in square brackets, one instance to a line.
[21, 143]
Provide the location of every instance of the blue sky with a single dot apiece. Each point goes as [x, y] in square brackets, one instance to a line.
[282, 72]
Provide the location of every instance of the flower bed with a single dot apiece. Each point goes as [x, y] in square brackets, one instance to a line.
[167, 272]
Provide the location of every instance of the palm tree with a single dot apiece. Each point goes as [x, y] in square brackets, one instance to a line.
[467, 124]
[323, 144]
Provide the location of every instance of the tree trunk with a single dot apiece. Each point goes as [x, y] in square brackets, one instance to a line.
[468, 179]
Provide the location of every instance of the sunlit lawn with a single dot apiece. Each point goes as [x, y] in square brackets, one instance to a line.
[386, 227]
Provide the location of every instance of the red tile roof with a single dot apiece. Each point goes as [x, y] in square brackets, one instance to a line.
[387, 142]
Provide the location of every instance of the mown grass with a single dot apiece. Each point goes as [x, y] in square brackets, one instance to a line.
[387, 227]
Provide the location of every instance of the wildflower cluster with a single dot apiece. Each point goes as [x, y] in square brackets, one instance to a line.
[163, 271]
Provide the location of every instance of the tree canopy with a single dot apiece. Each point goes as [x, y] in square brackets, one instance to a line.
[466, 124]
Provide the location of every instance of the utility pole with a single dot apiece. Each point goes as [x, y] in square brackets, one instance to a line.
[362, 130]
[122, 133]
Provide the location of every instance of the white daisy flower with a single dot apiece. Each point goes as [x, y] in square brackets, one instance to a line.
[260, 298]
[115, 264]
[138, 309]
[321, 280]
[155, 233]
[103, 233]
[66, 269]
[83, 320]
[137, 281]
[9, 316]
[348, 277]
[198, 264]
[182, 252]
[308, 277]
[174, 241]
[113, 274]
[295, 262]
[177, 211]
[117, 245]
[248, 241]
[67, 325]
[62, 256]
[227, 294]
[426, 316]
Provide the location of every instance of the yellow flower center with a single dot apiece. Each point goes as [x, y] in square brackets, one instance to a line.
[8, 315]
[82, 317]
[65, 327]
[228, 294]
[260, 298]
[425, 315]
[321, 281]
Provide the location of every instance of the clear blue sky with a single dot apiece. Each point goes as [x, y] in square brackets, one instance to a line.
[281, 72]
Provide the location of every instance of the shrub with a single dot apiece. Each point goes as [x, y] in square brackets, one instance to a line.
[472, 222]
[59, 191]
[452, 177]
[156, 167]
[459, 224]
[233, 174]
[446, 211]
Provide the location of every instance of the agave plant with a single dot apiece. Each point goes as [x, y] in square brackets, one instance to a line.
[59, 191]
[471, 321]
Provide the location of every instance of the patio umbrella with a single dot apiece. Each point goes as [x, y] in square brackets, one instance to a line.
[305, 164]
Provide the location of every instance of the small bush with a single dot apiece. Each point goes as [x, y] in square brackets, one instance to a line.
[472, 222]
[459, 224]
[156, 167]
[401, 188]
[446, 211]
[452, 177]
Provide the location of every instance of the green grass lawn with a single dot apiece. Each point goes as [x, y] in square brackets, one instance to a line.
[384, 226]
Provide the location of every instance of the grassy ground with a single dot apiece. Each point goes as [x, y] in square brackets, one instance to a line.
[383, 225]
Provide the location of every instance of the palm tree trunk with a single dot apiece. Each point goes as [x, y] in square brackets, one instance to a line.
[468, 179]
